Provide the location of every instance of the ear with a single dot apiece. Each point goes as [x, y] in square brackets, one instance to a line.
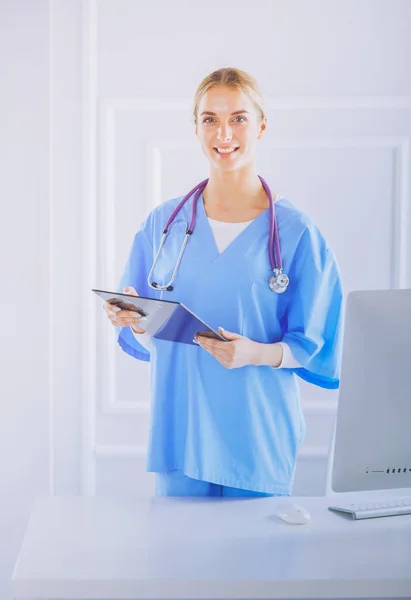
[263, 127]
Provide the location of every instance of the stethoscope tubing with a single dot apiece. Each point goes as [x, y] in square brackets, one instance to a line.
[273, 237]
[273, 241]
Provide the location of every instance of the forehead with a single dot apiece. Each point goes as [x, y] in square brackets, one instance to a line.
[225, 99]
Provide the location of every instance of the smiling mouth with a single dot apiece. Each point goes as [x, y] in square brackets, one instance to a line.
[225, 153]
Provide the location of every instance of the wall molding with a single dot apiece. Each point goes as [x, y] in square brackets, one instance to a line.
[400, 237]
[113, 407]
[119, 451]
[271, 103]
[89, 155]
[50, 241]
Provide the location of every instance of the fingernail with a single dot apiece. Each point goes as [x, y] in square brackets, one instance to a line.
[195, 340]
[116, 308]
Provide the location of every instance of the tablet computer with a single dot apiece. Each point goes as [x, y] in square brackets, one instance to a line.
[164, 319]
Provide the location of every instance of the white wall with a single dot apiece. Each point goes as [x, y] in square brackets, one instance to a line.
[24, 422]
[40, 424]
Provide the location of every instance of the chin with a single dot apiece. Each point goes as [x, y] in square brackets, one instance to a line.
[226, 166]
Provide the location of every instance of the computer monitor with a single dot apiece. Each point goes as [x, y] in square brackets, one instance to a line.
[372, 438]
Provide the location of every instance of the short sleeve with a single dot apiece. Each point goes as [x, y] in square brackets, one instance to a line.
[313, 315]
[135, 274]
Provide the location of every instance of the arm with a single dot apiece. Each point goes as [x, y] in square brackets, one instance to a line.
[135, 275]
[310, 316]
[277, 355]
[313, 311]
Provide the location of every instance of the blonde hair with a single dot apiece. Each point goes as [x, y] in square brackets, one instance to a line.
[235, 78]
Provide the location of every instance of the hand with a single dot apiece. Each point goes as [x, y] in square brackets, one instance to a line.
[124, 318]
[238, 352]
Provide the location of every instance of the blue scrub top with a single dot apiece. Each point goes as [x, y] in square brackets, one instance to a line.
[238, 427]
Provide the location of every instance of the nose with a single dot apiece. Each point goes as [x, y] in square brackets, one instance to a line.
[224, 133]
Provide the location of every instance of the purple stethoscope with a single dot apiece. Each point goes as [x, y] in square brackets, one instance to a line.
[278, 281]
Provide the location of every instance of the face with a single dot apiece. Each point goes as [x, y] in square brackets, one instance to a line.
[227, 118]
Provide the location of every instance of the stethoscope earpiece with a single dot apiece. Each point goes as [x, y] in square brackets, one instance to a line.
[156, 286]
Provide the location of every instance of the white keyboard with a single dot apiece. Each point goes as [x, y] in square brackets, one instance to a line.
[368, 510]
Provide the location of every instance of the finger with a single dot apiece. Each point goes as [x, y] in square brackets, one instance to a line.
[132, 318]
[133, 326]
[218, 353]
[223, 357]
[111, 313]
[107, 306]
[229, 335]
[111, 309]
[130, 290]
[137, 329]
[210, 342]
[126, 314]
[126, 321]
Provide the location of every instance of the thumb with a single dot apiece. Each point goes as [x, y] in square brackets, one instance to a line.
[229, 335]
[130, 290]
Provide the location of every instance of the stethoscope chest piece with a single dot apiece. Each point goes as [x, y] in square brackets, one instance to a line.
[278, 282]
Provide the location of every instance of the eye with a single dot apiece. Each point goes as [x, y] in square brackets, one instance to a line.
[206, 120]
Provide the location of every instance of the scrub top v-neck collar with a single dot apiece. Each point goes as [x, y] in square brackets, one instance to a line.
[244, 239]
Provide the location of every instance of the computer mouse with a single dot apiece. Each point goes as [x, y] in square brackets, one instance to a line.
[292, 514]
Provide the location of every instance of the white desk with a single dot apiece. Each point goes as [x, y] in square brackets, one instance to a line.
[115, 548]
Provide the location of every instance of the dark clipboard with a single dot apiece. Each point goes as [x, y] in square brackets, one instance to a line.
[164, 319]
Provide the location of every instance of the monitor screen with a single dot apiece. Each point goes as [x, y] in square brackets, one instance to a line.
[372, 439]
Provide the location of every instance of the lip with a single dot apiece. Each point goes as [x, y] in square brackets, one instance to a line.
[227, 155]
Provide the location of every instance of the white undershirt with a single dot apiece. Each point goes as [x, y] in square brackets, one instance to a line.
[224, 233]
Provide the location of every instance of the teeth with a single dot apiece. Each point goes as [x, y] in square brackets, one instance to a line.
[226, 150]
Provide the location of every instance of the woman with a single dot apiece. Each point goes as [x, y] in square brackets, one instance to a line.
[226, 415]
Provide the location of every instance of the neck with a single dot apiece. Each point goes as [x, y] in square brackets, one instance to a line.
[239, 189]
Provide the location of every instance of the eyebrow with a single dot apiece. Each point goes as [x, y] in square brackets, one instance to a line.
[237, 112]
